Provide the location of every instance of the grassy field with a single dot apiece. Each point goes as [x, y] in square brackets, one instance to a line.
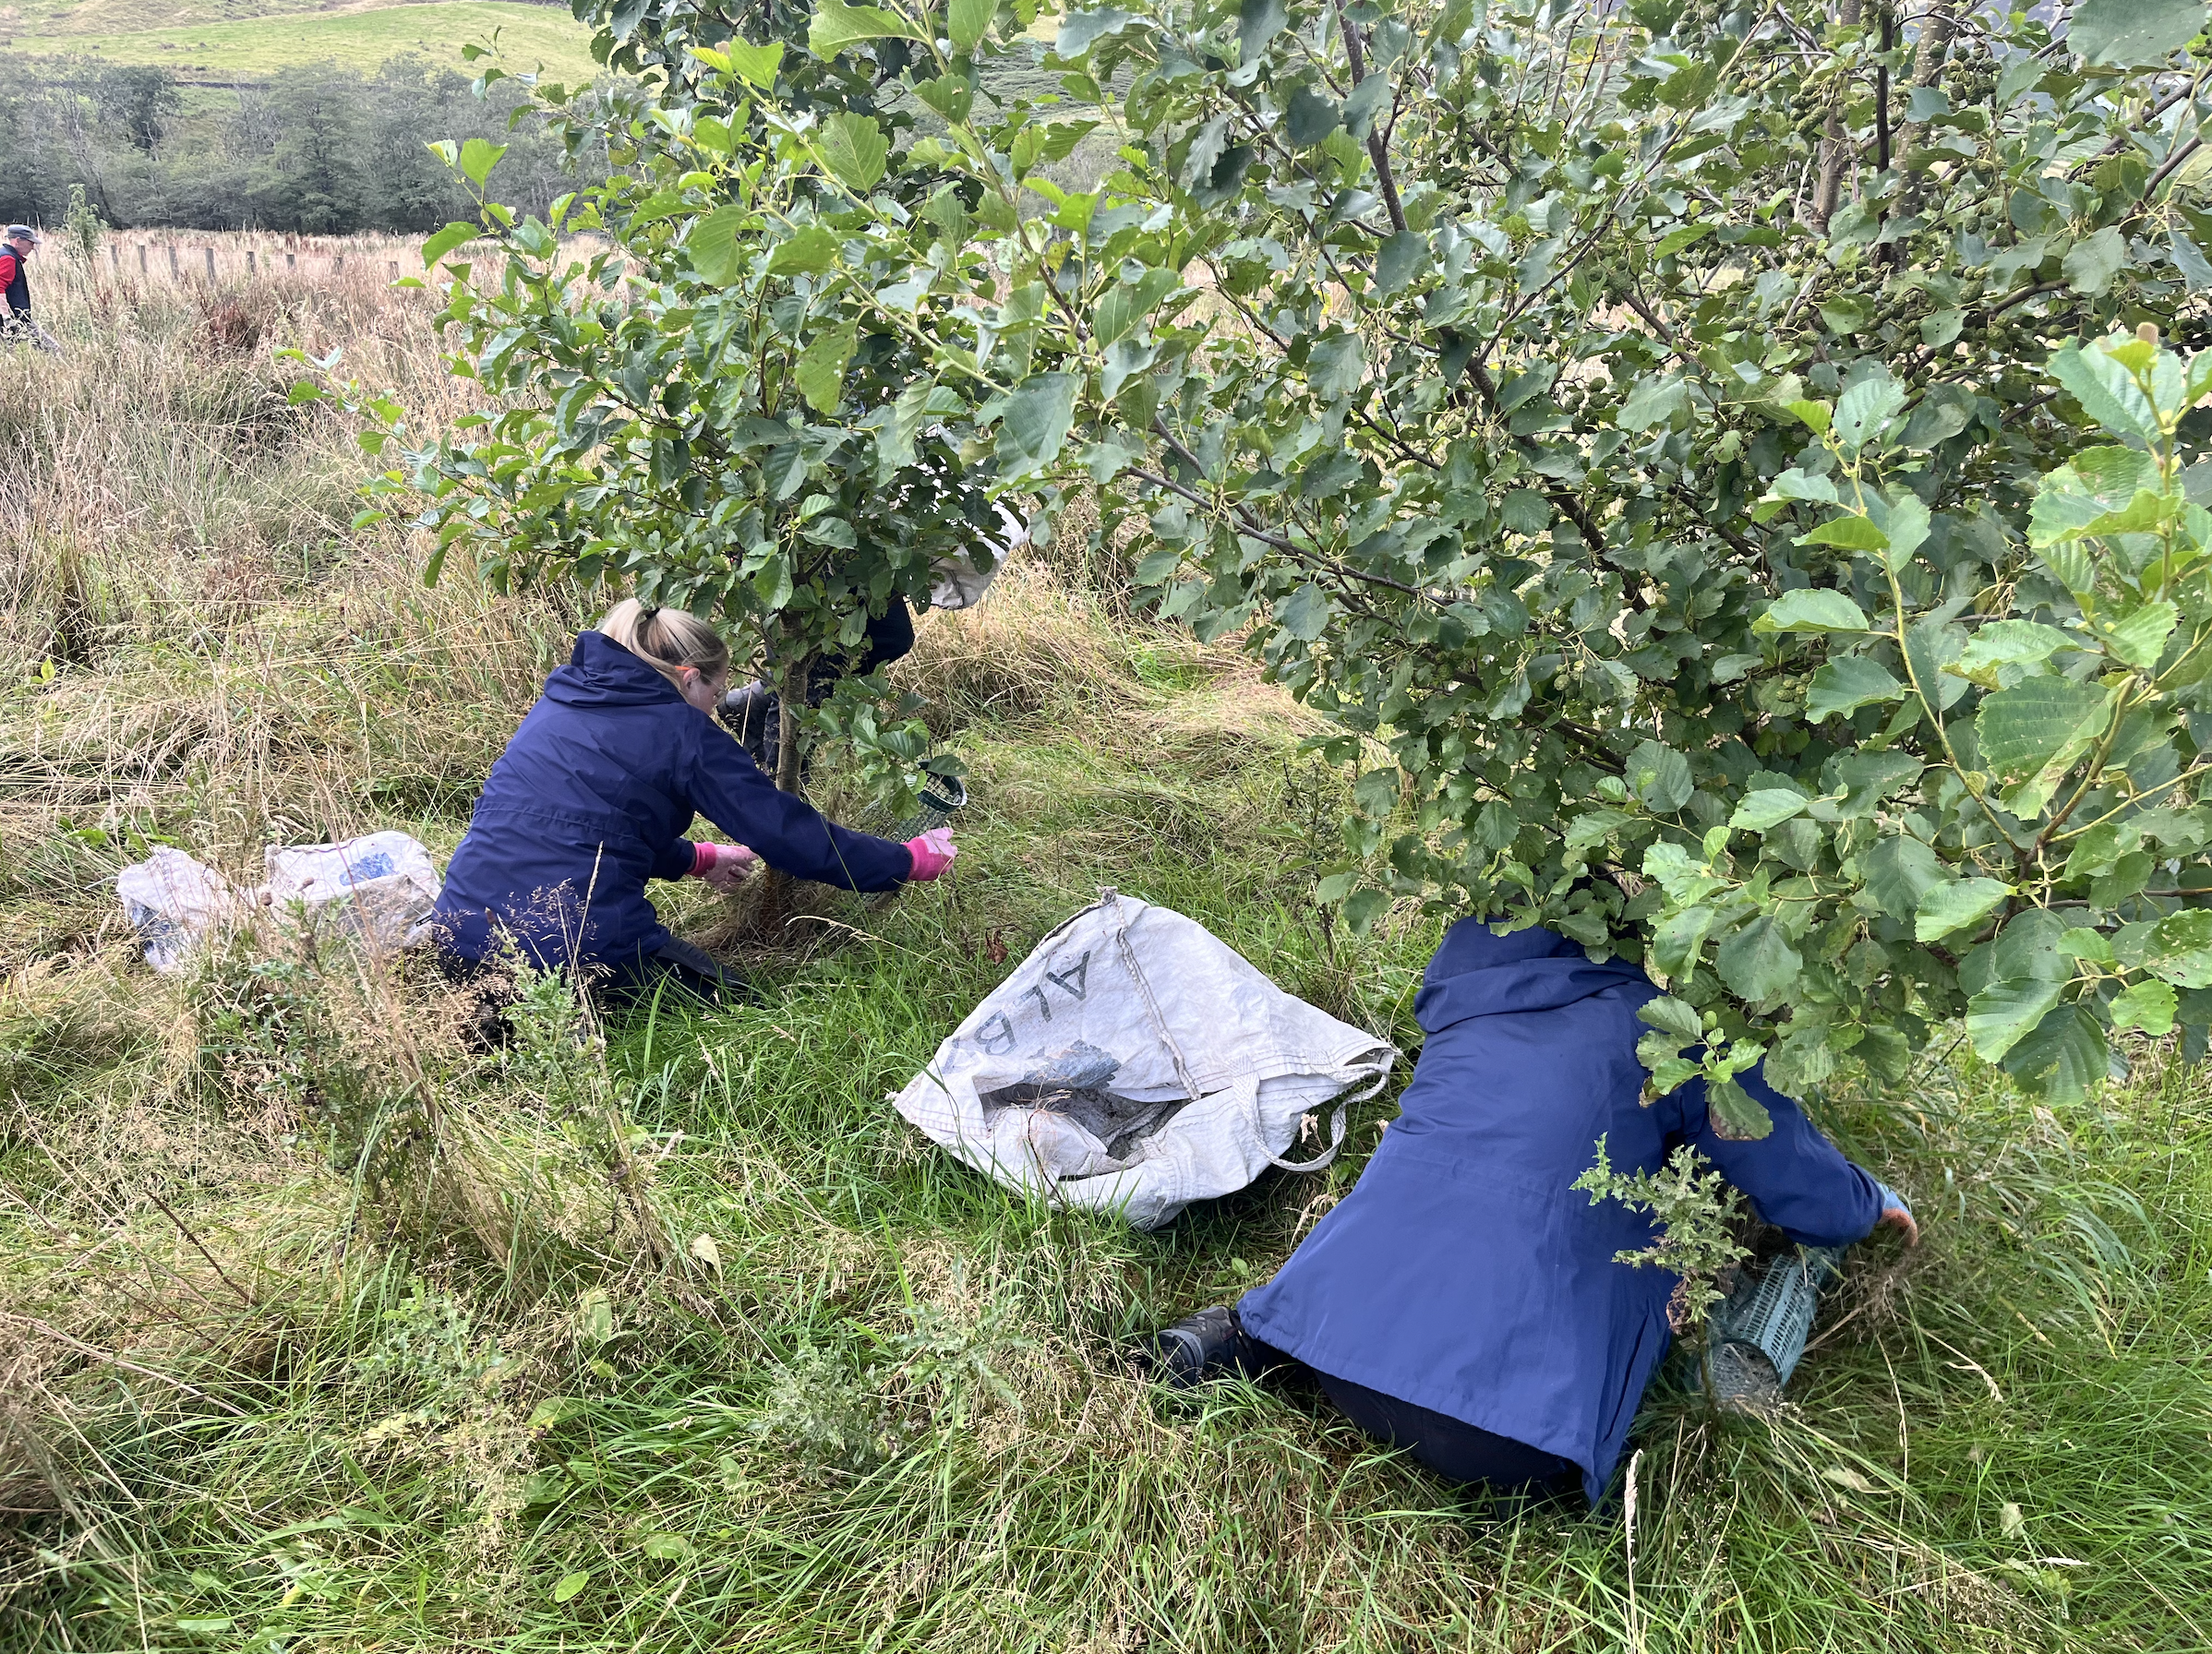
[226, 39]
[318, 1331]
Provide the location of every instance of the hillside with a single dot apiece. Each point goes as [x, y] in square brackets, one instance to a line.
[221, 40]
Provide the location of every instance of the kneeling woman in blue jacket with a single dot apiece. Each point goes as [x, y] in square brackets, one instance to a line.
[1462, 1301]
[592, 796]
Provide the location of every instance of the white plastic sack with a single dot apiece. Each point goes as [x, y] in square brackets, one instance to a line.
[377, 888]
[174, 902]
[1134, 1063]
[959, 584]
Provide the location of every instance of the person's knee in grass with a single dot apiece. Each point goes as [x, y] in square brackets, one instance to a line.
[1462, 1301]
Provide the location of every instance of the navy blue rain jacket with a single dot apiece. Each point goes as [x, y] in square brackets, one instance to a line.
[591, 799]
[1462, 1273]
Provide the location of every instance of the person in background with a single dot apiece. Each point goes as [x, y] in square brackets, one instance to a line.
[1462, 1301]
[592, 796]
[753, 710]
[16, 325]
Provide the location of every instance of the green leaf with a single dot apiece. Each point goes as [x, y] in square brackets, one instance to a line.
[569, 1583]
[2107, 393]
[1258, 21]
[1900, 871]
[1660, 777]
[2140, 638]
[713, 245]
[821, 370]
[1034, 426]
[1677, 938]
[1906, 529]
[1305, 612]
[812, 251]
[1865, 410]
[2128, 33]
[1757, 962]
[2093, 261]
[756, 65]
[1083, 27]
[1657, 397]
[1377, 792]
[773, 582]
[1954, 906]
[2002, 1014]
[1769, 807]
[1127, 304]
[2148, 1006]
[1310, 117]
[445, 241]
[479, 156]
[837, 26]
[2005, 642]
[1400, 260]
[854, 147]
[969, 21]
[665, 1547]
[2063, 1056]
[1673, 1016]
[1845, 685]
[2024, 728]
[1847, 533]
[2181, 948]
[1737, 1115]
[1813, 414]
[1813, 609]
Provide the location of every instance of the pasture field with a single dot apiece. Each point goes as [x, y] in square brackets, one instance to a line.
[321, 1330]
[247, 39]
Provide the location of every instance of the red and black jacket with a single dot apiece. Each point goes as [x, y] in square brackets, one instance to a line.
[15, 291]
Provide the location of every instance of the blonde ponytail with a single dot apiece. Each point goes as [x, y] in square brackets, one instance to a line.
[666, 640]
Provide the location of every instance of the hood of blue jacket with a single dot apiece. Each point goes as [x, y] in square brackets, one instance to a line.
[1476, 972]
[603, 673]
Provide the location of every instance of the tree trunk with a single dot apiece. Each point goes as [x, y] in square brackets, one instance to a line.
[794, 667]
[1835, 145]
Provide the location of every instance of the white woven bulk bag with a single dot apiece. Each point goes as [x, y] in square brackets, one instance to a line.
[1134, 1063]
[379, 887]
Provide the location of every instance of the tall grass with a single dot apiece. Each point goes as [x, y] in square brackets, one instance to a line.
[320, 1329]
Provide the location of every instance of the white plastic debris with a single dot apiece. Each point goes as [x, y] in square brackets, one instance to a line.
[376, 888]
[174, 902]
[959, 584]
[1134, 1063]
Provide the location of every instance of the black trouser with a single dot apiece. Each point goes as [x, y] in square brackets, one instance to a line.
[676, 969]
[1451, 1447]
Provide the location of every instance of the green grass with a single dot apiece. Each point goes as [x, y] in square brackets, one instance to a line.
[441, 1395]
[223, 42]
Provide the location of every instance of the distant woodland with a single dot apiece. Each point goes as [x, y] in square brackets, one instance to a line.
[321, 148]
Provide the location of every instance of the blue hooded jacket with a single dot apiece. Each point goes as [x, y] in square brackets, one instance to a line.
[590, 800]
[1463, 1274]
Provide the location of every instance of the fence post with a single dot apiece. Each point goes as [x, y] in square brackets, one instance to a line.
[210, 253]
[115, 259]
[338, 264]
[141, 257]
[249, 261]
[291, 260]
[175, 274]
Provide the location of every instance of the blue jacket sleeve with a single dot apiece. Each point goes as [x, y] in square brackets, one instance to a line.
[675, 860]
[1796, 1178]
[787, 833]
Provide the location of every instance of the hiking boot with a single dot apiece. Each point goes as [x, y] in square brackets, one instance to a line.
[1211, 1344]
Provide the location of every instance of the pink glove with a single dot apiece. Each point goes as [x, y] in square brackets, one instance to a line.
[933, 853]
[723, 866]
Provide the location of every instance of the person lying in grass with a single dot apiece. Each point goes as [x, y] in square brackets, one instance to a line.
[594, 793]
[1462, 1301]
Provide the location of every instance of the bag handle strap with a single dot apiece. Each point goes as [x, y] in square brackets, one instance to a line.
[1248, 1086]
